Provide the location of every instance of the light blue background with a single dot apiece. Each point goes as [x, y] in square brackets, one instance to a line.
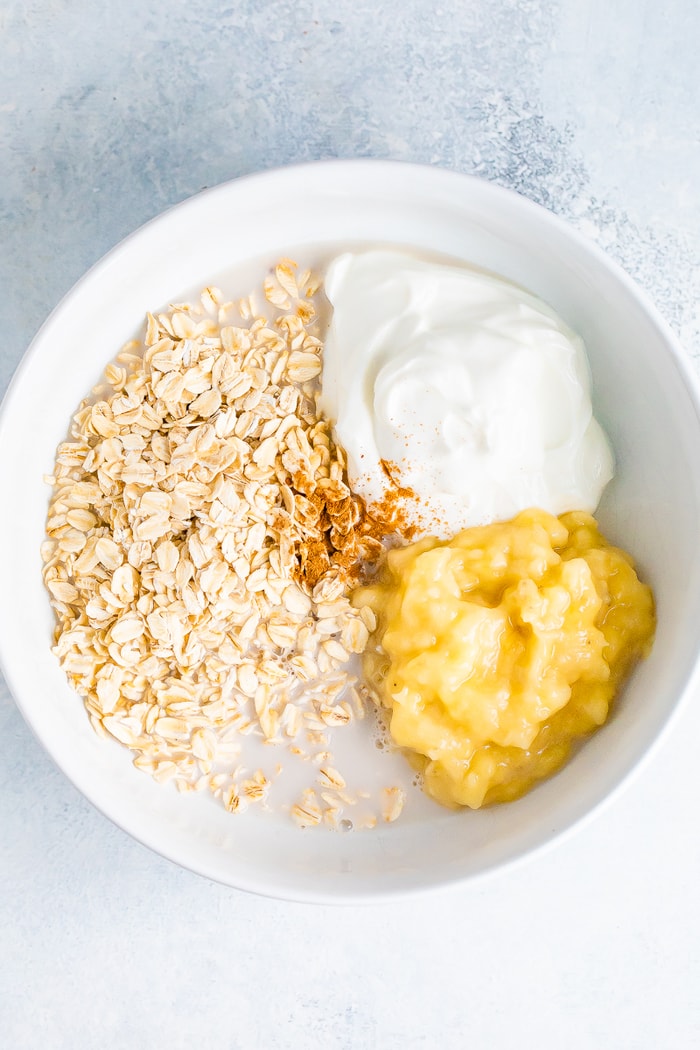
[108, 115]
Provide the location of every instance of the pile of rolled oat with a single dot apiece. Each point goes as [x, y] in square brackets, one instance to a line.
[200, 541]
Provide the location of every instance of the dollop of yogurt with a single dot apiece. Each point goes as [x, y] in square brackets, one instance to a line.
[463, 387]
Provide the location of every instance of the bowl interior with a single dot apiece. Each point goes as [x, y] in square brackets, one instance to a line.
[643, 394]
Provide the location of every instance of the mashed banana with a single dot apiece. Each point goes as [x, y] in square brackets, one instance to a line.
[498, 649]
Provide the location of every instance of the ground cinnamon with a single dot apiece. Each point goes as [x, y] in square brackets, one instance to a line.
[345, 535]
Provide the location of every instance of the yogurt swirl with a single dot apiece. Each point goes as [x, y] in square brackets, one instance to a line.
[473, 389]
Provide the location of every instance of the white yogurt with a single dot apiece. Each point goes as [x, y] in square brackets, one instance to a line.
[474, 389]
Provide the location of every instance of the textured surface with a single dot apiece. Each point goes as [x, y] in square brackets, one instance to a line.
[108, 115]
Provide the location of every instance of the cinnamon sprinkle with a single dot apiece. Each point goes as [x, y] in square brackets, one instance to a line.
[345, 537]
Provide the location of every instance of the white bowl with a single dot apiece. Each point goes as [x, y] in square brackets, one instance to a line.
[644, 394]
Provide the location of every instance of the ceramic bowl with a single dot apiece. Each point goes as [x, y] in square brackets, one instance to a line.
[644, 394]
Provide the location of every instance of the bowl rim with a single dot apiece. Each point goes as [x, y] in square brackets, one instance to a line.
[365, 168]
